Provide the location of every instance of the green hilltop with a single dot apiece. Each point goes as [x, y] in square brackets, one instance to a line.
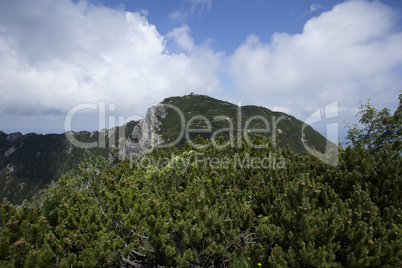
[287, 127]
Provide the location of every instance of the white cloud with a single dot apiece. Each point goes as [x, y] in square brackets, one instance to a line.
[56, 54]
[182, 38]
[203, 4]
[315, 7]
[282, 109]
[190, 7]
[348, 54]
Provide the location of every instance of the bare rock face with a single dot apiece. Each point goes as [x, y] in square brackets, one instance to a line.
[9, 151]
[145, 135]
[14, 136]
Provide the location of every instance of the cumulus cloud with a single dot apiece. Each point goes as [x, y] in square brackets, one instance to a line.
[56, 54]
[349, 53]
[182, 38]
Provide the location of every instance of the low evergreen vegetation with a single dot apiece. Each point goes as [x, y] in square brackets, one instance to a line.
[234, 206]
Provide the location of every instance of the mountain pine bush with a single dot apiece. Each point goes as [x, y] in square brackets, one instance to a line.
[208, 207]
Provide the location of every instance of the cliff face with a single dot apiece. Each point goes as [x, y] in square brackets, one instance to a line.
[145, 134]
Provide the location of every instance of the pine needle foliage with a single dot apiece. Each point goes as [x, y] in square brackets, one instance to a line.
[180, 210]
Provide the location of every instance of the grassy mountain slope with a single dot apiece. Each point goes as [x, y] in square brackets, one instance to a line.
[288, 128]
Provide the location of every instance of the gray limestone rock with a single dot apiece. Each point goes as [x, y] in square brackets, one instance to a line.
[145, 135]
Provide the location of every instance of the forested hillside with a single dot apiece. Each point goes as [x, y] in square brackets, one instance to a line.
[28, 163]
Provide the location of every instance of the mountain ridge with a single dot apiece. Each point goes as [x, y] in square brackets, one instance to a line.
[29, 162]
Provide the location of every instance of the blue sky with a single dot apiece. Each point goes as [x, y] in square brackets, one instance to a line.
[294, 56]
[229, 22]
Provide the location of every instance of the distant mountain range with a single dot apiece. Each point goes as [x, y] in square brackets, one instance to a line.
[30, 162]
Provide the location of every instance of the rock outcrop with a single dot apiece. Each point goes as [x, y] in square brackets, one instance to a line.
[145, 135]
[14, 136]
